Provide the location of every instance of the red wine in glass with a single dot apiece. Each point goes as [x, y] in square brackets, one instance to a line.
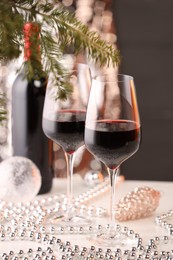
[113, 141]
[63, 121]
[66, 129]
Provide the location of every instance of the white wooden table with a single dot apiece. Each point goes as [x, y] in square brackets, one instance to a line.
[145, 227]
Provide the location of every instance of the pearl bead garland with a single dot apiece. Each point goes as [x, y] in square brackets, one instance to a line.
[28, 222]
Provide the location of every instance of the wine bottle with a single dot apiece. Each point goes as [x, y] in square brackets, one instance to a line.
[28, 139]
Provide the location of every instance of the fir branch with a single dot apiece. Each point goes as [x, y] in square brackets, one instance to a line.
[70, 30]
[3, 115]
[60, 30]
[3, 112]
[77, 34]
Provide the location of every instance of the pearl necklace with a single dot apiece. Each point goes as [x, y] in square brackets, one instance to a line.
[26, 222]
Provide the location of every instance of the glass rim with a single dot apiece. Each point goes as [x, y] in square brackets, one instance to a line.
[117, 78]
[78, 68]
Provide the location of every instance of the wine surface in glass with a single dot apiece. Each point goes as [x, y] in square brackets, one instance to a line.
[66, 129]
[113, 141]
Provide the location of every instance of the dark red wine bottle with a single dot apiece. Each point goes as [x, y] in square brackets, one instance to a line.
[28, 139]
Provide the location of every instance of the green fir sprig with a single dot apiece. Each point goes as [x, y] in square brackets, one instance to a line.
[60, 31]
[3, 112]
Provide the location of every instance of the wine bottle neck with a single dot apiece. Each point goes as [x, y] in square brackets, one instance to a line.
[32, 42]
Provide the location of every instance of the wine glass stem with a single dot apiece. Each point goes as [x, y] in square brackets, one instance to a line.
[113, 174]
[69, 160]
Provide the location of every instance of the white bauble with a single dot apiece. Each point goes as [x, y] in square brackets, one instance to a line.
[20, 179]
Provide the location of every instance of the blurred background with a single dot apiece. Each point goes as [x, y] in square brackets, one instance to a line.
[143, 32]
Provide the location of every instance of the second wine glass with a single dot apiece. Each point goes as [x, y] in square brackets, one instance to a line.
[112, 133]
[63, 122]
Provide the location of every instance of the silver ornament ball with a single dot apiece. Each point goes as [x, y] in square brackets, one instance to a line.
[93, 178]
[20, 179]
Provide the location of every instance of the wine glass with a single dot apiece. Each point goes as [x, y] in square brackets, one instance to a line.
[63, 122]
[112, 133]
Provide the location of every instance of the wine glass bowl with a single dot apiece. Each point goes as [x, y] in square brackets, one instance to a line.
[112, 130]
[63, 122]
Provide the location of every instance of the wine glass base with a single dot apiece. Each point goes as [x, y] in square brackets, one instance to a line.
[67, 219]
[73, 221]
[112, 241]
[112, 238]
